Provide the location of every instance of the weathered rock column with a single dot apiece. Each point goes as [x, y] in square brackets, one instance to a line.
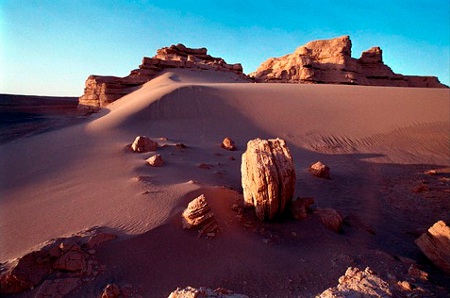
[268, 177]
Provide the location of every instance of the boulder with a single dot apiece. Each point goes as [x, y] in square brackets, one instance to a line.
[155, 160]
[435, 244]
[358, 283]
[329, 61]
[320, 170]
[268, 177]
[330, 218]
[190, 292]
[73, 260]
[198, 215]
[143, 144]
[228, 144]
[27, 272]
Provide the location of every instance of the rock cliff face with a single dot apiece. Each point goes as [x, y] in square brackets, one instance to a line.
[330, 62]
[99, 91]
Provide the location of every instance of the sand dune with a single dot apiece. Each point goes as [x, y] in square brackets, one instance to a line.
[377, 141]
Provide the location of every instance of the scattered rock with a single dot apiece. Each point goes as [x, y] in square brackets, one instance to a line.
[143, 144]
[155, 160]
[416, 273]
[320, 170]
[301, 207]
[404, 285]
[205, 166]
[268, 177]
[354, 221]
[180, 146]
[228, 144]
[202, 292]
[435, 244]
[357, 283]
[111, 291]
[198, 214]
[330, 218]
[431, 172]
[330, 62]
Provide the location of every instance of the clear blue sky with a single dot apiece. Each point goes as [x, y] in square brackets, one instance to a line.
[50, 47]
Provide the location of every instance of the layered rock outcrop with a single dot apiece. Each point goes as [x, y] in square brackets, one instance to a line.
[435, 244]
[199, 215]
[202, 292]
[330, 62]
[99, 91]
[58, 265]
[358, 283]
[268, 177]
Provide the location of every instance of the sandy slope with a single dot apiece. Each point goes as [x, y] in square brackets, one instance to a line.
[376, 140]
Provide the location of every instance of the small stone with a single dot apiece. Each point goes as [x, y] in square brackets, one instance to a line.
[320, 170]
[143, 144]
[228, 144]
[405, 285]
[180, 146]
[205, 166]
[155, 160]
[416, 273]
[111, 291]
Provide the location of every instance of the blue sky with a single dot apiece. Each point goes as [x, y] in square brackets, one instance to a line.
[50, 47]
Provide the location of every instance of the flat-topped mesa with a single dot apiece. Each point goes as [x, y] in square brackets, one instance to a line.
[100, 91]
[330, 62]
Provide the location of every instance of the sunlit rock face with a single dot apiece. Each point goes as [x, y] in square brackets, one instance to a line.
[268, 177]
[100, 91]
[330, 62]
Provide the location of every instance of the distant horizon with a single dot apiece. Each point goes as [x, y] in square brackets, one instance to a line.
[50, 48]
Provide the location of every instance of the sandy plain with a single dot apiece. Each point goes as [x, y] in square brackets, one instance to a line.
[378, 142]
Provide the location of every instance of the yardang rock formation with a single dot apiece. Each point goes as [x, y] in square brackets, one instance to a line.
[322, 61]
[100, 91]
[330, 62]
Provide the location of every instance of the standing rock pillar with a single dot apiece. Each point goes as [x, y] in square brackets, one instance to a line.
[268, 177]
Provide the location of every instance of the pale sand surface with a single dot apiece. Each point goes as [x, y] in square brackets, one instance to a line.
[377, 141]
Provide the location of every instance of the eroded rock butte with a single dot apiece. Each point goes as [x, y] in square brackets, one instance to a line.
[330, 62]
[100, 91]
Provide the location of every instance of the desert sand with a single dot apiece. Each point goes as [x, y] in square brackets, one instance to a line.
[377, 141]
